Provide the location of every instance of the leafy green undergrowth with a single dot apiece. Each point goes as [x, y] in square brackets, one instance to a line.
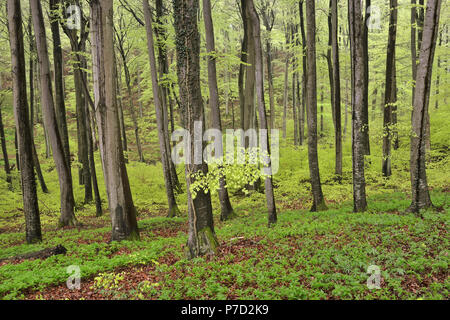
[306, 255]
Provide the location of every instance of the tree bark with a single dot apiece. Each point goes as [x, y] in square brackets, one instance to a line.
[165, 158]
[67, 217]
[29, 196]
[419, 186]
[161, 35]
[225, 204]
[389, 96]
[201, 237]
[305, 71]
[336, 89]
[60, 108]
[365, 44]
[121, 206]
[358, 81]
[259, 76]
[316, 187]
[5, 151]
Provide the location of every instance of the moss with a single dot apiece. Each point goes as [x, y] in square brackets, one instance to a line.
[207, 244]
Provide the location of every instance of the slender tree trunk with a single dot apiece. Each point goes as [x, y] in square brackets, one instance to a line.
[270, 199]
[336, 89]
[419, 186]
[92, 169]
[374, 101]
[346, 106]
[161, 35]
[365, 44]
[16, 146]
[305, 71]
[321, 111]
[358, 82]
[390, 90]
[413, 46]
[316, 187]
[294, 97]
[5, 151]
[121, 117]
[29, 196]
[165, 158]
[121, 206]
[201, 238]
[65, 182]
[37, 165]
[286, 85]
[132, 111]
[225, 204]
[60, 109]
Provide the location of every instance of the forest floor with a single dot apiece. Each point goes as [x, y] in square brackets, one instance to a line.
[306, 255]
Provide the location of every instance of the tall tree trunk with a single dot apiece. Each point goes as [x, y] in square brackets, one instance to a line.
[413, 46]
[419, 186]
[365, 44]
[67, 217]
[78, 45]
[248, 114]
[389, 95]
[270, 199]
[121, 117]
[121, 206]
[286, 85]
[60, 108]
[5, 151]
[29, 196]
[92, 169]
[165, 158]
[225, 204]
[336, 89]
[163, 62]
[305, 71]
[316, 187]
[201, 238]
[132, 111]
[37, 165]
[346, 106]
[294, 87]
[268, 17]
[358, 81]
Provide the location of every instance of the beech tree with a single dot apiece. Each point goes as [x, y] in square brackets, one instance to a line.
[259, 77]
[311, 103]
[336, 101]
[356, 33]
[225, 204]
[419, 185]
[201, 237]
[29, 196]
[67, 217]
[390, 94]
[165, 157]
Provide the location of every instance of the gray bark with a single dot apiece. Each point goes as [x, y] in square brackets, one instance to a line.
[225, 204]
[165, 158]
[29, 196]
[67, 217]
[419, 186]
[201, 237]
[318, 199]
